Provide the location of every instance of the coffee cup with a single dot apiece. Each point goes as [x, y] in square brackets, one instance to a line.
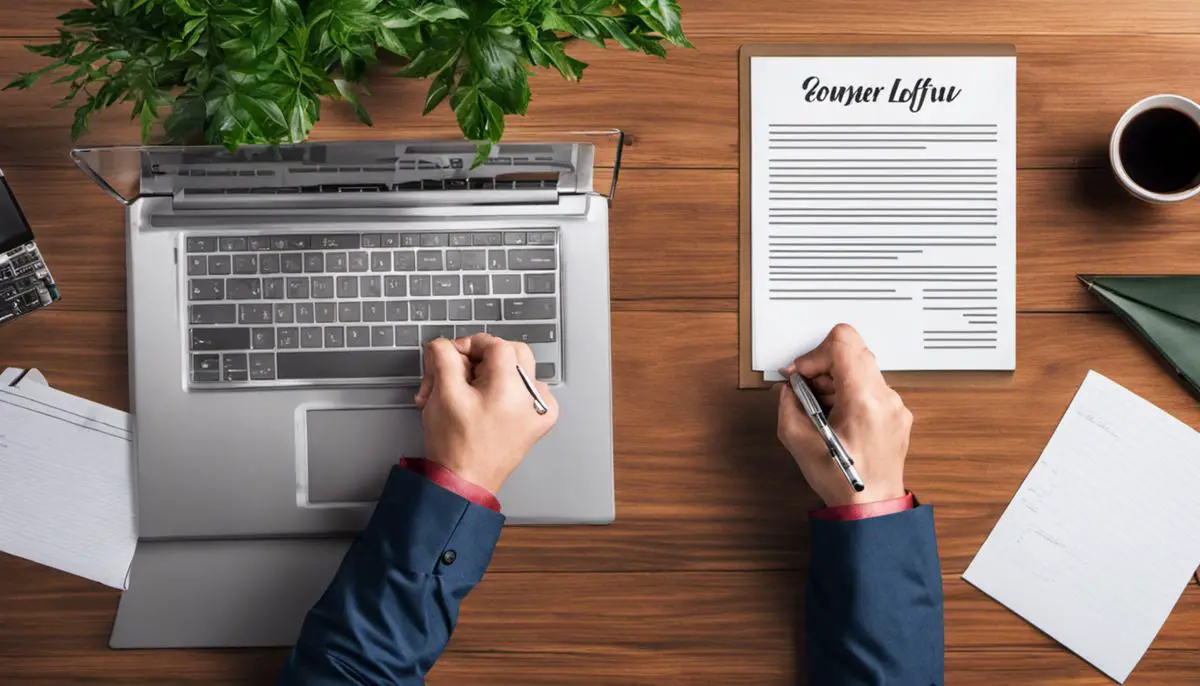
[1155, 149]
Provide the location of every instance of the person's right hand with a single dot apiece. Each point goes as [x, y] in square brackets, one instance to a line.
[868, 416]
[478, 416]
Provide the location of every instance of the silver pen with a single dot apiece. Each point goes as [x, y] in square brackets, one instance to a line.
[539, 405]
[837, 451]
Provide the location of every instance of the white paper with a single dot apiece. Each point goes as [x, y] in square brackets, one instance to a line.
[897, 217]
[66, 499]
[1104, 534]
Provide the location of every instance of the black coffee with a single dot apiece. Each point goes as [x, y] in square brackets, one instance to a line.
[1160, 149]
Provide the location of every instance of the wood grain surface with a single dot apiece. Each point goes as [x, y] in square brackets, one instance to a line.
[700, 580]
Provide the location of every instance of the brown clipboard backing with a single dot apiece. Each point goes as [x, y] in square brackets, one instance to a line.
[747, 376]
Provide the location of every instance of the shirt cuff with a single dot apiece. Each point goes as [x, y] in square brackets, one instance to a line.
[452, 482]
[848, 513]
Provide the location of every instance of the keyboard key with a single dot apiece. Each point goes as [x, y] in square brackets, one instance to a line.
[359, 262]
[419, 285]
[460, 240]
[435, 331]
[464, 330]
[445, 284]
[529, 308]
[314, 262]
[487, 309]
[349, 364]
[433, 240]
[269, 264]
[258, 243]
[311, 337]
[233, 367]
[279, 243]
[288, 337]
[404, 261]
[197, 265]
[322, 287]
[285, 313]
[514, 238]
[262, 339]
[437, 310]
[459, 310]
[539, 283]
[506, 284]
[453, 260]
[335, 241]
[532, 259]
[335, 337]
[293, 263]
[206, 289]
[292, 242]
[226, 338]
[381, 261]
[410, 240]
[408, 336]
[262, 366]
[220, 264]
[254, 314]
[232, 244]
[326, 312]
[347, 286]
[304, 313]
[370, 287]
[529, 333]
[389, 240]
[397, 310]
[496, 260]
[243, 289]
[358, 336]
[373, 311]
[394, 287]
[202, 244]
[540, 238]
[429, 260]
[474, 260]
[297, 287]
[273, 288]
[488, 238]
[475, 284]
[336, 262]
[206, 363]
[544, 370]
[350, 312]
[419, 310]
[212, 314]
[382, 336]
[370, 240]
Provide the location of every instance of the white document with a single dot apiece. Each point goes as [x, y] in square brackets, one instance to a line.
[66, 497]
[883, 195]
[1104, 534]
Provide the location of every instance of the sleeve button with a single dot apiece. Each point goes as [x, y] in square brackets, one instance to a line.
[449, 557]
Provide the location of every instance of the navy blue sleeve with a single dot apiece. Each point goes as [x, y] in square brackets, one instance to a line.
[390, 609]
[873, 608]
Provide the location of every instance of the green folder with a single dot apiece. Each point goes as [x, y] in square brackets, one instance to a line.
[1165, 310]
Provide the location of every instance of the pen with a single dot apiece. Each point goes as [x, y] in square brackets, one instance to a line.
[837, 451]
[538, 403]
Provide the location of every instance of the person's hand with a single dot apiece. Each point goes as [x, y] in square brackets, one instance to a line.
[867, 415]
[478, 416]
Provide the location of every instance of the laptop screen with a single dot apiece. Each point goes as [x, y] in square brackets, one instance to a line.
[14, 230]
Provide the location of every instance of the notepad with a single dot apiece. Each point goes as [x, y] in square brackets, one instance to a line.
[883, 195]
[1104, 534]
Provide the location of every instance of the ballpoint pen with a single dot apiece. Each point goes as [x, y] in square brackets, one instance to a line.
[538, 404]
[837, 451]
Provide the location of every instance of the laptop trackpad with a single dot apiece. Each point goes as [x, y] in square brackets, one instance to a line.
[350, 451]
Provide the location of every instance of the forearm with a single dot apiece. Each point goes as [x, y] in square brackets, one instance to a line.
[393, 603]
[874, 601]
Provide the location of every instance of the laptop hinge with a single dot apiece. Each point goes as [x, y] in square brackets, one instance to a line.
[356, 197]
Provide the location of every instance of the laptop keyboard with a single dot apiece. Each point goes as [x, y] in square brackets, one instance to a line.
[346, 307]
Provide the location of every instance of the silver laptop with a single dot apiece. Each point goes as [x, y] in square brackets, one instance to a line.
[279, 299]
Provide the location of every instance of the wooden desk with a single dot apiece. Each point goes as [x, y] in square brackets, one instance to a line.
[700, 580]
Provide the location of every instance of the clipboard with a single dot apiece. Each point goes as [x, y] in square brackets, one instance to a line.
[748, 378]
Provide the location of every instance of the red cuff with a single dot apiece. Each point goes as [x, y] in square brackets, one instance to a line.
[848, 513]
[451, 482]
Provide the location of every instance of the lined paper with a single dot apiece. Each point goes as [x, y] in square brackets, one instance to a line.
[883, 195]
[1104, 534]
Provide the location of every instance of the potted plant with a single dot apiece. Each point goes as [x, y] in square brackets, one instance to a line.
[231, 72]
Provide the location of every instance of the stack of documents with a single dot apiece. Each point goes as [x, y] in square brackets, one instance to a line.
[66, 496]
[1104, 534]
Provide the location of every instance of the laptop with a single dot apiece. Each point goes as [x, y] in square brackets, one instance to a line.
[279, 299]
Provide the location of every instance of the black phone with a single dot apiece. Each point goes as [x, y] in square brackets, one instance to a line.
[25, 280]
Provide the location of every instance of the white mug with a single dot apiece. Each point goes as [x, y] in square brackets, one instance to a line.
[1166, 100]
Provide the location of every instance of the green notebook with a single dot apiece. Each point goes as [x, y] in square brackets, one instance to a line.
[1165, 310]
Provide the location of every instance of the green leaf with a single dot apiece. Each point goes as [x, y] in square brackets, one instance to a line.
[482, 152]
[552, 53]
[478, 116]
[286, 13]
[439, 89]
[148, 117]
[428, 62]
[348, 93]
[662, 16]
[495, 52]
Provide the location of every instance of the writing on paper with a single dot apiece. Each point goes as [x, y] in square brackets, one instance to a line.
[923, 90]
